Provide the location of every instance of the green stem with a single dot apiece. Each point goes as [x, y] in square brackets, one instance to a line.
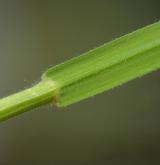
[41, 93]
[94, 72]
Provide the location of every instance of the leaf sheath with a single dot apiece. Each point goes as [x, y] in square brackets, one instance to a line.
[108, 66]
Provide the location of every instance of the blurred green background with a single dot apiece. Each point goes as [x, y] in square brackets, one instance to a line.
[121, 126]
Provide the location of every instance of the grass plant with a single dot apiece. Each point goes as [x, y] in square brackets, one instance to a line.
[108, 66]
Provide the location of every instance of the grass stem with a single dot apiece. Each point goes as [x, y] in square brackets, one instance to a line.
[33, 97]
[108, 66]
